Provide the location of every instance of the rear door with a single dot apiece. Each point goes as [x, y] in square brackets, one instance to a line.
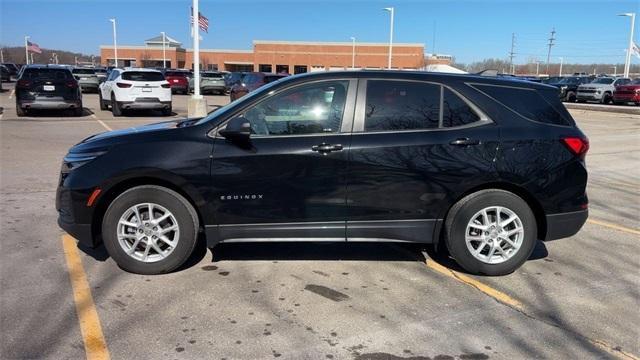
[415, 147]
[289, 182]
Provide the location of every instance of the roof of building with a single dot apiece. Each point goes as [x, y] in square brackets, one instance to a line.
[168, 40]
[349, 43]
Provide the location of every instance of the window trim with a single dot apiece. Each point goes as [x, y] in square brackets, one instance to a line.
[359, 117]
[346, 125]
[474, 85]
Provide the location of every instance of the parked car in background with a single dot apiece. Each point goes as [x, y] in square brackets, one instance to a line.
[552, 79]
[482, 165]
[101, 73]
[233, 78]
[135, 89]
[13, 69]
[87, 78]
[5, 74]
[629, 93]
[252, 81]
[178, 79]
[210, 82]
[568, 86]
[47, 87]
[600, 89]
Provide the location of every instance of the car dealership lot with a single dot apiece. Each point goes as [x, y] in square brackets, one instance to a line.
[575, 298]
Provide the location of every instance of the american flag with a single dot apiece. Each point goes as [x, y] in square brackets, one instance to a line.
[203, 22]
[33, 47]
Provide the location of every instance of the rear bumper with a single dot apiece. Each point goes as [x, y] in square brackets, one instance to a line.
[179, 87]
[49, 104]
[145, 105]
[565, 224]
[89, 85]
[626, 98]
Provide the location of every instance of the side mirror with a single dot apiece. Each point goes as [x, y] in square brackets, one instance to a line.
[237, 129]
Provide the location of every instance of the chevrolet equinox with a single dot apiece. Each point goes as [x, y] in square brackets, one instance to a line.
[484, 166]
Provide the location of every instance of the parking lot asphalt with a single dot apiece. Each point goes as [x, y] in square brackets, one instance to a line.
[575, 298]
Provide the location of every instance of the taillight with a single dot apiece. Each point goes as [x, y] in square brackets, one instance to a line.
[23, 83]
[123, 85]
[166, 86]
[72, 84]
[578, 146]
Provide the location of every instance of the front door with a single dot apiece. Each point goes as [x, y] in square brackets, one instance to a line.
[289, 182]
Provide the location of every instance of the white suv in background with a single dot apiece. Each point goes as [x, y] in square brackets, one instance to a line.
[133, 88]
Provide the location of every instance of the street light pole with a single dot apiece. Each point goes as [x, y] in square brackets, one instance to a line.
[353, 53]
[391, 10]
[537, 67]
[615, 71]
[627, 62]
[26, 49]
[115, 44]
[164, 54]
[561, 60]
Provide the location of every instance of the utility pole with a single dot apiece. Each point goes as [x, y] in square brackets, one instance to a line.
[551, 40]
[511, 53]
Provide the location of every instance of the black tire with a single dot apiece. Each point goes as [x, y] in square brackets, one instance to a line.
[462, 212]
[571, 96]
[184, 213]
[103, 106]
[79, 111]
[20, 111]
[167, 111]
[606, 98]
[115, 107]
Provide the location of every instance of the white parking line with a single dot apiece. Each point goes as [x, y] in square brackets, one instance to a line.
[101, 122]
[11, 95]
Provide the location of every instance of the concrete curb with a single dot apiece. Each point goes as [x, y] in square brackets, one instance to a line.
[620, 109]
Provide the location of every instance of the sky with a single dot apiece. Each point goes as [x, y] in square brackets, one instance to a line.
[586, 31]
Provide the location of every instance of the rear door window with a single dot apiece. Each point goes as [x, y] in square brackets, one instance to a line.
[536, 105]
[401, 105]
[142, 76]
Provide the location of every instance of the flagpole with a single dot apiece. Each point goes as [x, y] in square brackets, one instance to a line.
[26, 49]
[197, 105]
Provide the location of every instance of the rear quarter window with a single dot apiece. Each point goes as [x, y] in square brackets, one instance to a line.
[142, 76]
[539, 105]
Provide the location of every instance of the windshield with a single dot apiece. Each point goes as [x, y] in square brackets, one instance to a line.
[635, 82]
[602, 81]
[570, 80]
[232, 105]
[142, 76]
[84, 71]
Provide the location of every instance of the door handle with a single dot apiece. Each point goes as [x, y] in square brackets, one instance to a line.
[464, 142]
[326, 148]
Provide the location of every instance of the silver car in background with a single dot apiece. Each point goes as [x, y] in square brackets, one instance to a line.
[210, 82]
[601, 89]
[87, 79]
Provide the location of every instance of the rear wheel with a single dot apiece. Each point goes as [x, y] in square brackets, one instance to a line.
[150, 230]
[491, 232]
[167, 111]
[103, 106]
[78, 111]
[115, 107]
[20, 111]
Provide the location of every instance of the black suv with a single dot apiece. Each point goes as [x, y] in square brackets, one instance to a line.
[47, 87]
[568, 86]
[485, 166]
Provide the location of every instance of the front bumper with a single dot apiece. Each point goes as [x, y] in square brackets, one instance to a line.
[74, 216]
[40, 104]
[565, 224]
[589, 96]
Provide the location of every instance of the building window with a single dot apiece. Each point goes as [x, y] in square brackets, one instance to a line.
[266, 68]
[282, 69]
[299, 69]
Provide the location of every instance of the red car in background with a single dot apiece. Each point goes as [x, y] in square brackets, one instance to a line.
[627, 93]
[178, 80]
[252, 81]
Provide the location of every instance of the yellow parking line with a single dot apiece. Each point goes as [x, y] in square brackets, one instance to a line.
[613, 226]
[615, 351]
[94, 344]
[101, 123]
[486, 289]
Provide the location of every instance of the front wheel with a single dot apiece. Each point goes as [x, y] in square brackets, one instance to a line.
[491, 232]
[150, 230]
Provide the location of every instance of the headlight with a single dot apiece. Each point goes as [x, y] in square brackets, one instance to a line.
[637, 91]
[75, 160]
[598, 91]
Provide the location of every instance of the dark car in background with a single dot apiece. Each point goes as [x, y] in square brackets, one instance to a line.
[5, 74]
[482, 165]
[252, 81]
[629, 93]
[47, 87]
[87, 79]
[568, 86]
[211, 82]
[178, 80]
[233, 78]
[13, 69]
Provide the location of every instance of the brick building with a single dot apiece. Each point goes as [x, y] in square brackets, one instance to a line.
[270, 56]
